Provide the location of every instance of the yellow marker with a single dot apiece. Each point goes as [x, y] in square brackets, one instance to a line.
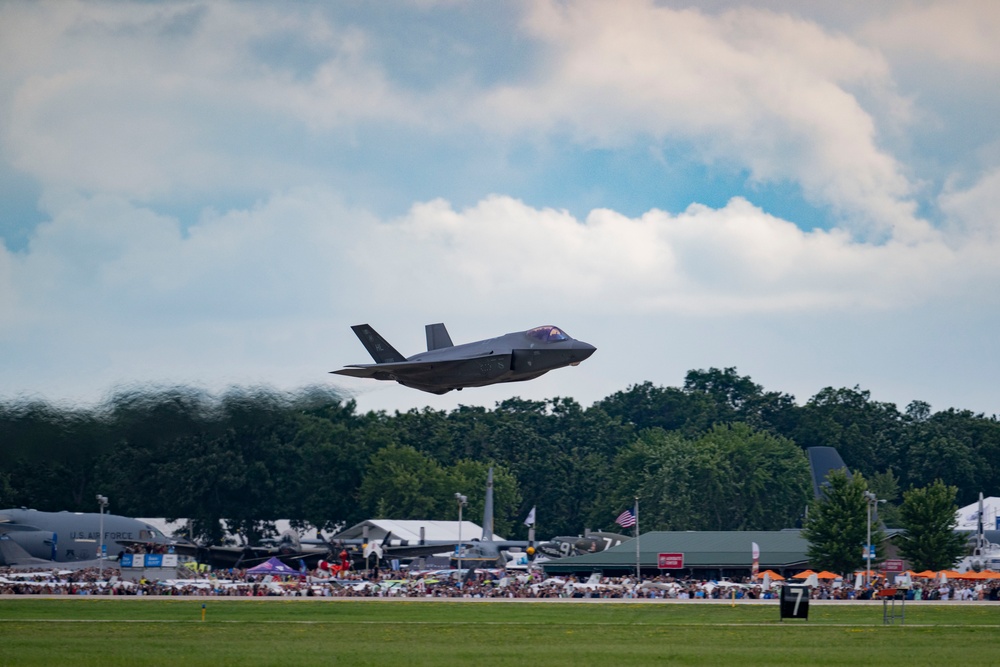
[202, 611]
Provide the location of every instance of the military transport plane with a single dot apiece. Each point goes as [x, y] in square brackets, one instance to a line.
[513, 357]
[32, 537]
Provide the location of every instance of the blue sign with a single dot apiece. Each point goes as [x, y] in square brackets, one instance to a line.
[126, 560]
[154, 560]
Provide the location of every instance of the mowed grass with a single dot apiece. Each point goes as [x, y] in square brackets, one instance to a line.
[416, 632]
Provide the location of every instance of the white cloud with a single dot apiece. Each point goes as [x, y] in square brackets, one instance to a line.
[293, 255]
[735, 259]
[751, 88]
[961, 31]
[148, 100]
[974, 213]
[143, 100]
[117, 293]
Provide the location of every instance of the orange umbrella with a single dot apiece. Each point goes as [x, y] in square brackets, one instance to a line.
[827, 575]
[803, 575]
[951, 574]
[926, 574]
[774, 575]
[985, 574]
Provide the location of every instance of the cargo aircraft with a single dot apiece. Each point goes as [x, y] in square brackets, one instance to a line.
[31, 537]
[513, 357]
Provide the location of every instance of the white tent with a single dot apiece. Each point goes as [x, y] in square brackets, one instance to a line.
[408, 532]
[968, 516]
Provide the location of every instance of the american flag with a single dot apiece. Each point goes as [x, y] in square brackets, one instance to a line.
[626, 519]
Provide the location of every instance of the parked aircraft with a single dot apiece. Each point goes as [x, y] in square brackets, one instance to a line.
[513, 357]
[67, 537]
[574, 545]
[293, 551]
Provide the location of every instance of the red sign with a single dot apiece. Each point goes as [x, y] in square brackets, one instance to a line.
[670, 561]
[893, 566]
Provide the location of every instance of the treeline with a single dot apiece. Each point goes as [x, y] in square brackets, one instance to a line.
[719, 453]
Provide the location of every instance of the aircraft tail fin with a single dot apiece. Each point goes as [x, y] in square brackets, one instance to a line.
[822, 461]
[377, 346]
[488, 509]
[437, 337]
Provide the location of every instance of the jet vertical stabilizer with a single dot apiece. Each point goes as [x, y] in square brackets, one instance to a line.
[823, 461]
[488, 509]
[437, 337]
[377, 346]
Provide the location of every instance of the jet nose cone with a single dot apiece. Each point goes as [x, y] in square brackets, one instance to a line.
[581, 351]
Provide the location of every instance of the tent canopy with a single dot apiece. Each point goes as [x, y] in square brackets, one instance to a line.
[273, 566]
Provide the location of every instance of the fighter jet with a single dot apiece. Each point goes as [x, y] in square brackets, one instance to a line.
[513, 357]
[69, 537]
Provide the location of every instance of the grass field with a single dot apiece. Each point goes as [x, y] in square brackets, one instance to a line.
[414, 632]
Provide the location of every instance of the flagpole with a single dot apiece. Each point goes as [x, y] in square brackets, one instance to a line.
[637, 575]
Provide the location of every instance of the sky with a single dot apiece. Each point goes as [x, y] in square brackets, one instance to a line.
[211, 193]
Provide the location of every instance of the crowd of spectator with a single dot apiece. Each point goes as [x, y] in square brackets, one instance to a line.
[447, 584]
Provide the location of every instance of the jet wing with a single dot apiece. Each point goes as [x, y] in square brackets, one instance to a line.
[7, 525]
[414, 369]
[419, 550]
[13, 554]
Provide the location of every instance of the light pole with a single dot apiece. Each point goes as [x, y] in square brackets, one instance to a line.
[102, 502]
[462, 500]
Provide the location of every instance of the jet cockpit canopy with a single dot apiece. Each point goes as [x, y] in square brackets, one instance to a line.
[547, 334]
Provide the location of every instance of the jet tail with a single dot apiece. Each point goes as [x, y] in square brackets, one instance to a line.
[437, 337]
[488, 509]
[377, 346]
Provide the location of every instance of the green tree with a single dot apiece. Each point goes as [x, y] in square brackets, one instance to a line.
[402, 483]
[838, 523]
[734, 477]
[885, 485]
[865, 432]
[645, 406]
[928, 516]
[763, 479]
